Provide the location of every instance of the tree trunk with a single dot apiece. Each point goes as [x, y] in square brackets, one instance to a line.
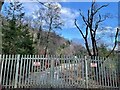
[87, 47]
[93, 44]
[39, 39]
[1, 3]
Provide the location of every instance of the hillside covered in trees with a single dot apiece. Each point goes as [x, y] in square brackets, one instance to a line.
[21, 38]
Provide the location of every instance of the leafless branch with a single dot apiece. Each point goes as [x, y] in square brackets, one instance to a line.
[97, 23]
[83, 17]
[79, 28]
[100, 8]
[42, 3]
[115, 42]
[87, 25]
[86, 32]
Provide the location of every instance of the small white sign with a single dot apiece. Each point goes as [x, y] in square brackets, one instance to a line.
[36, 64]
[93, 64]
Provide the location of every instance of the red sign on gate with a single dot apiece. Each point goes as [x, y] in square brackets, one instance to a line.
[93, 64]
[36, 64]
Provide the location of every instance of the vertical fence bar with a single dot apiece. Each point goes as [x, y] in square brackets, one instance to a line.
[1, 68]
[68, 81]
[109, 73]
[116, 81]
[61, 69]
[10, 82]
[34, 71]
[96, 69]
[113, 79]
[86, 71]
[73, 78]
[4, 77]
[26, 71]
[52, 71]
[105, 76]
[42, 62]
[13, 70]
[93, 69]
[64, 65]
[20, 71]
[17, 68]
[99, 71]
[8, 71]
[77, 71]
[83, 71]
[23, 70]
[29, 69]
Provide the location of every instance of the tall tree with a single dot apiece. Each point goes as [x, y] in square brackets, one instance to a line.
[52, 22]
[16, 37]
[49, 21]
[1, 4]
[39, 25]
[92, 23]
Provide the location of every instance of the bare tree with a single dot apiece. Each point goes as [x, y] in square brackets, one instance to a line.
[53, 21]
[39, 24]
[92, 23]
[49, 21]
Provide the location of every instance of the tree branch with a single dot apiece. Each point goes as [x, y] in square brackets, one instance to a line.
[79, 29]
[87, 25]
[87, 46]
[83, 17]
[42, 3]
[115, 44]
[97, 24]
[100, 8]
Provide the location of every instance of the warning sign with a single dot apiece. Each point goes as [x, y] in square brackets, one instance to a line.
[36, 64]
[93, 64]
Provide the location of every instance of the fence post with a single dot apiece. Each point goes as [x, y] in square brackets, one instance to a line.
[17, 68]
[86, 71]
[52, 71]
[1, 66]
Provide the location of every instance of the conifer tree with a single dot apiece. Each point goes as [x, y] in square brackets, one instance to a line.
[16, 36]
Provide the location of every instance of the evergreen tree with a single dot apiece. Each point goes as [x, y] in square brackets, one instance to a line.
[16, 36]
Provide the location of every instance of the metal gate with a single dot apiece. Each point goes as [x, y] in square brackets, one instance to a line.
[36, 71]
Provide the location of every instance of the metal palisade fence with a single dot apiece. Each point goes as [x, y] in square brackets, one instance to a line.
[37, 71]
